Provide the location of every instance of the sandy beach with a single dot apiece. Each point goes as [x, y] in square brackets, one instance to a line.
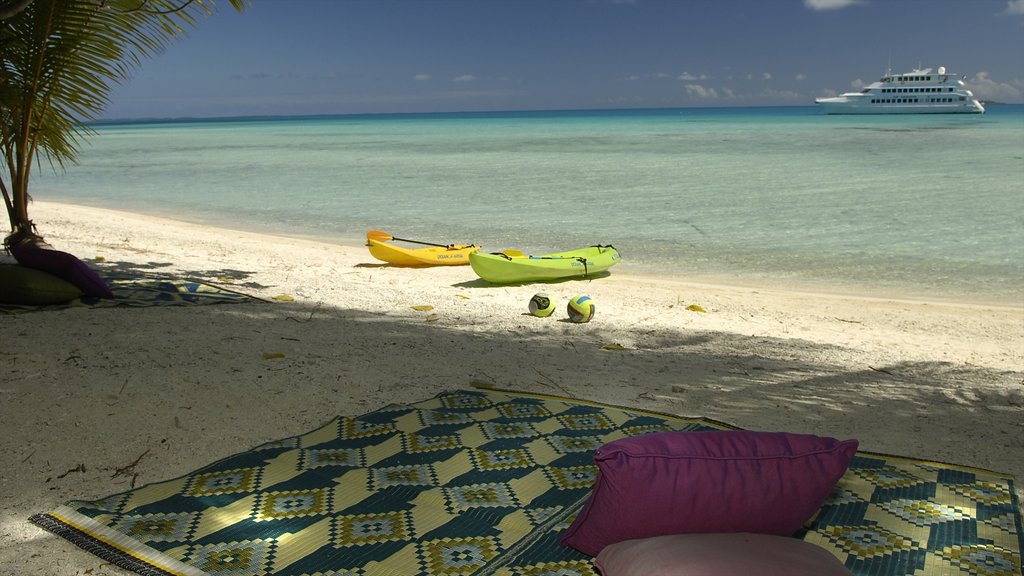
[96, 401]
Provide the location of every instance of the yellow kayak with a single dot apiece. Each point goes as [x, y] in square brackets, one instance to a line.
[452, 255]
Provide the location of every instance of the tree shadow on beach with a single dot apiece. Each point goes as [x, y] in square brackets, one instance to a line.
[170, 389]
[752, 382]
[159, 271]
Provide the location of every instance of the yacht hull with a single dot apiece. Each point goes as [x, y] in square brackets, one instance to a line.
[848, 108]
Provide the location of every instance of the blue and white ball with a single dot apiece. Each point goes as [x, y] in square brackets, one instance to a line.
[581, 309]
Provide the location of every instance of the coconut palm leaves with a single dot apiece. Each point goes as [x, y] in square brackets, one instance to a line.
[60, 59]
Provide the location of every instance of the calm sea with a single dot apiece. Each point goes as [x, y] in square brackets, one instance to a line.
[895, 206]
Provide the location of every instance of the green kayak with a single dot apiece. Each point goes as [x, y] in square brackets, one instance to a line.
[514, 266]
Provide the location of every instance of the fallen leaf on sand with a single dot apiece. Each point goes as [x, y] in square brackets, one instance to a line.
[695, 308]
[423, 308]
[433, 318]
[272, 355]
[284, 298]
[612, 346]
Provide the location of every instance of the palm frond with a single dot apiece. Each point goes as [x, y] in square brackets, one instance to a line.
[58, 62]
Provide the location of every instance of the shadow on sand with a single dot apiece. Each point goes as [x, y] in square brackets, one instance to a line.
[188, 385]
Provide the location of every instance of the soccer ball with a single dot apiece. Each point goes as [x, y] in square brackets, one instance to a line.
[581, 309]
[541, 305]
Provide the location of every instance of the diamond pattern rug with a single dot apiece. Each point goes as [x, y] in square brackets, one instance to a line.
[483, 482]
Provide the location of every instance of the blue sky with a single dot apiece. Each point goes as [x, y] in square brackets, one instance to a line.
[297, 57]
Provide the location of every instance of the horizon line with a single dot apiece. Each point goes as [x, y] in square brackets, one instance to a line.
[249, 117]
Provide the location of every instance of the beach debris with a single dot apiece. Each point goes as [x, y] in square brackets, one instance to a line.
[659, 397]
[433, 318]
[284, 298]
[423, 308]
[79, 468]
[695, 308]
[129, 470]
[882, 370]
[272, 355]
[549, 381]
[463, 296]
[612, 346]
[99, 259]
[308, 318]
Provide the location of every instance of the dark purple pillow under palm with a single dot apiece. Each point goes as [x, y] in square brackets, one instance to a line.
[64, 266]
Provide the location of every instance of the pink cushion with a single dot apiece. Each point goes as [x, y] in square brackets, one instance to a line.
[718, 555]
[64, 266]
[720, 481]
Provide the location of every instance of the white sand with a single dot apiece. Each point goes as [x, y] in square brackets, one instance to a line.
[87, 393]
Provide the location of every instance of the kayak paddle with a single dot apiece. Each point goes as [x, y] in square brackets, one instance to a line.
[381, 236]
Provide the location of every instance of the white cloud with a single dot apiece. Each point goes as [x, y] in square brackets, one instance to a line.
[647, 76]
[767, 75]
[783, 95]
[687, 76]
[821, 5]
[858, 84]
[464, 78]
[801, 77]
[987, 89]
[1015, 7]
[698, 91]
[422, 77]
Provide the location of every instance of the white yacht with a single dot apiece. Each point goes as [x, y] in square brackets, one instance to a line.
[915, 92]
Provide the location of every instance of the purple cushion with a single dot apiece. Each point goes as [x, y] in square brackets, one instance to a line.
[721, 481]
[65, 266]
[720, 555]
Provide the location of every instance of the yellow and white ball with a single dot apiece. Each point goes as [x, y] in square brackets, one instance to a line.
[541, 305]
[581, 309]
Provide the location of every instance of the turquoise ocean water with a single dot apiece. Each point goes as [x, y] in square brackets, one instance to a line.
[895, 206]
